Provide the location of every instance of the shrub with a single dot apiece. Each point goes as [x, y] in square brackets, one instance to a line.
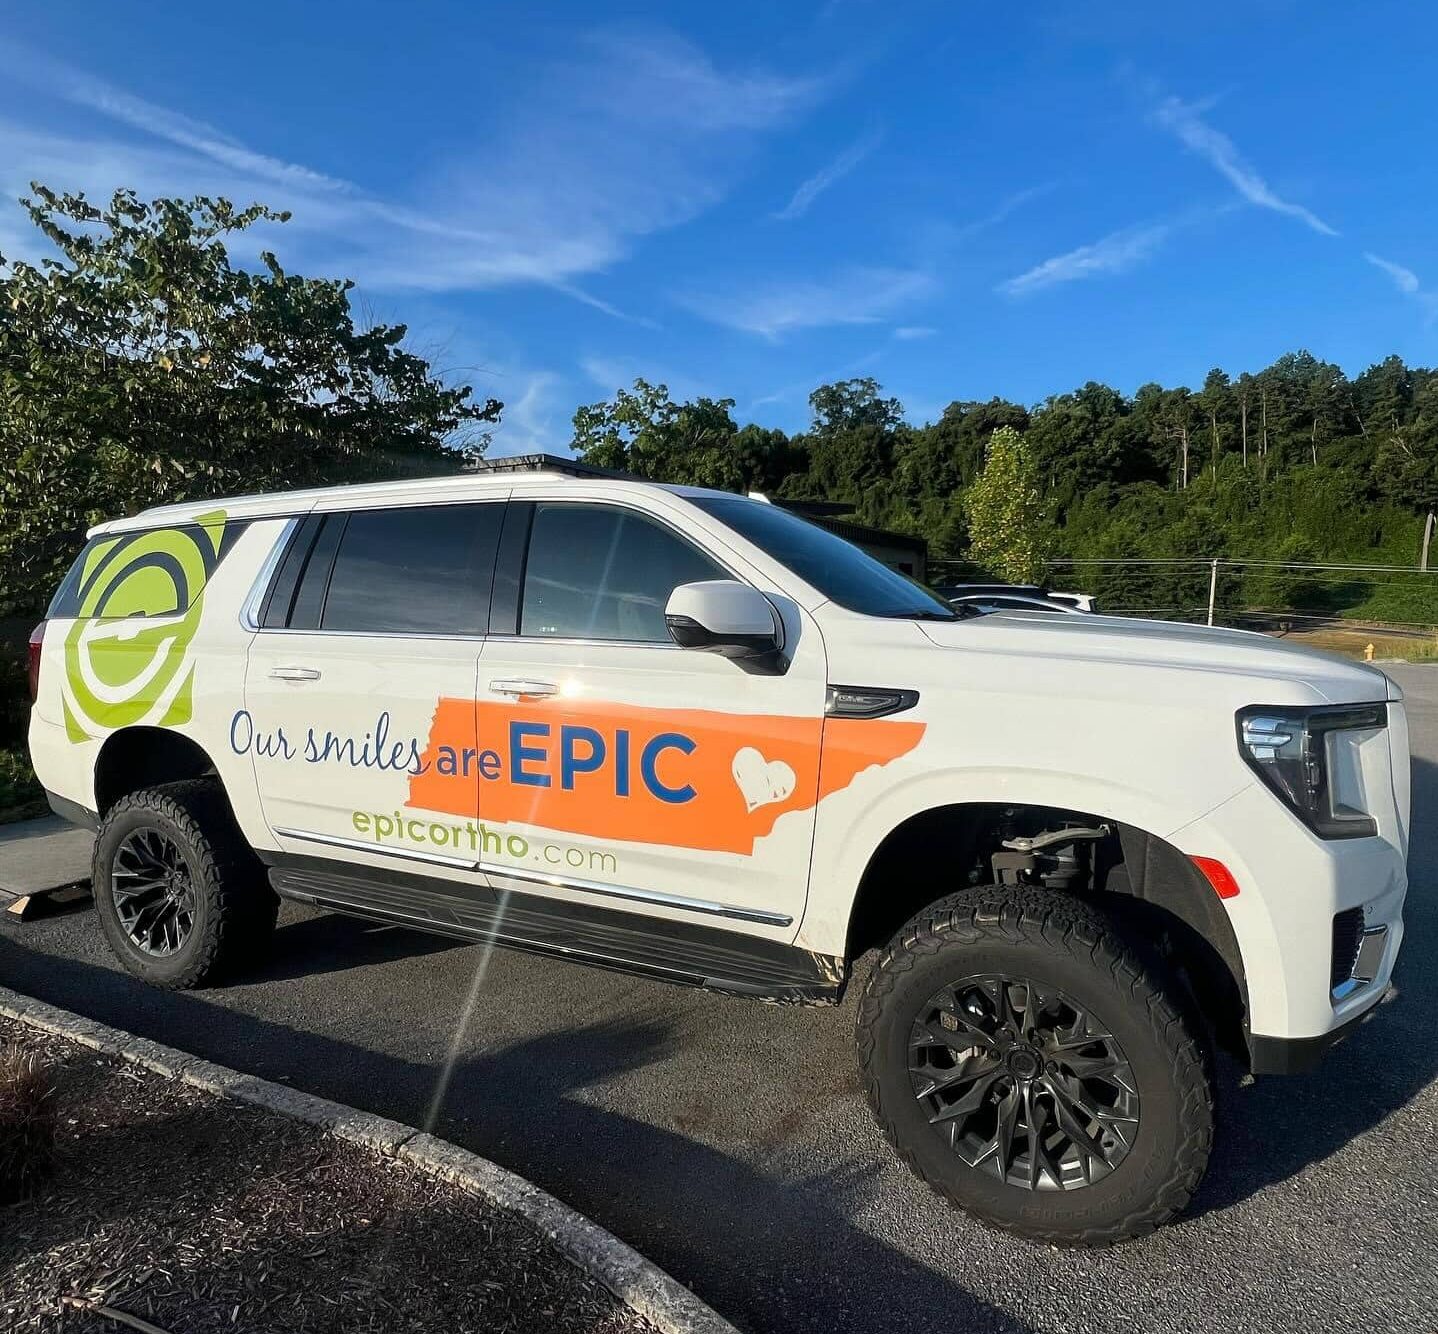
[27, 1124]
[21, 796]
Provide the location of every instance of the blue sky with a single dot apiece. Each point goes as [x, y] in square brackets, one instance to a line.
[747, 200]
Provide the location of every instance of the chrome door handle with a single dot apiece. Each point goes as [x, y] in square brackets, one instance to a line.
[521, 688]
[294, 674]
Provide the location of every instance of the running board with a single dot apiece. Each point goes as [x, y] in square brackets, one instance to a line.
[682, 952]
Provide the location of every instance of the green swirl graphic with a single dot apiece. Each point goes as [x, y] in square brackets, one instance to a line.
[140, 600]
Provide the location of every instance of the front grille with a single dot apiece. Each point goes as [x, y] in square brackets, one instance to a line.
[1347, 936]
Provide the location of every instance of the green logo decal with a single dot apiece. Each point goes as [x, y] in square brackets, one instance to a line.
[126, 657]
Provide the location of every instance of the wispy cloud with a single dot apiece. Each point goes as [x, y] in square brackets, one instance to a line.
[82, 89]
[809, 190]
[1405, 280]
[857, 295]
[1009, 204]
[1116, 253]
[533, 422]
[908, 333]
[1185, 121]
[628, 134]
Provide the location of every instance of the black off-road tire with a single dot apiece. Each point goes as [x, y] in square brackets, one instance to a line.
[234, 908]
[1058, 941]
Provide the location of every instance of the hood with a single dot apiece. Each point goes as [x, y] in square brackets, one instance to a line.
[1165, 644]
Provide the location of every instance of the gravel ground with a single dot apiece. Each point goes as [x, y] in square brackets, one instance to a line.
[198, 1215]
[730, 1142]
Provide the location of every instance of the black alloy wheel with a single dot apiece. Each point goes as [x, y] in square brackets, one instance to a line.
[1021, 1081]
[153, 892]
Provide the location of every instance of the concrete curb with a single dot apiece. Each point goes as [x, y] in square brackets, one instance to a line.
[638, 1283]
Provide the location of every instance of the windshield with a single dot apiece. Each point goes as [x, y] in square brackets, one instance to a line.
[838, 569]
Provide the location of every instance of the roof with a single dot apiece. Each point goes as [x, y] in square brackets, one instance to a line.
[485, 476]
[447, 488]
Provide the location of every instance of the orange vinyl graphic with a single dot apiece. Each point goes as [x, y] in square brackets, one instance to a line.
[688, 778]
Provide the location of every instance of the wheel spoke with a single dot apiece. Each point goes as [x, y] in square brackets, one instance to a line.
[941, 1080]
[997, 990]
[970, 1102]
[1072, 1117]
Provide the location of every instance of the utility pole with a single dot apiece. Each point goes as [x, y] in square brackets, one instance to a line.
[1213, 587]
[1427, 540]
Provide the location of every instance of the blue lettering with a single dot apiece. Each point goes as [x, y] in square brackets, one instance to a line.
[621, 762]
[649, 762]
[570, 762]
[489, 765]
[448, 763]
[248, 731]
[520, 754]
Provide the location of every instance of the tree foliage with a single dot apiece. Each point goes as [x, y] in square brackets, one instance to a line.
[1007, 535]
[139, 365]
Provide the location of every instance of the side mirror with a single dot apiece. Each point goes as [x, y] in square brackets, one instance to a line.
[723, 616]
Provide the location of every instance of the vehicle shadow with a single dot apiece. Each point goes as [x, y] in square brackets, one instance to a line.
[676, 1198]
[308, 942]
[1275, 1127]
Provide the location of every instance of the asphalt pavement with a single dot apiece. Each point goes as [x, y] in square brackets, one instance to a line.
[730, 1142]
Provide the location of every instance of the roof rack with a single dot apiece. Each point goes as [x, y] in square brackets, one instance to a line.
[570, 467]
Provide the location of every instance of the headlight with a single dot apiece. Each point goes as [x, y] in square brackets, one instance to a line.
[1292, 751]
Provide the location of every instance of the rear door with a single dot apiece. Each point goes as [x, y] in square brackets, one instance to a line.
[374, 618]
[616, 766]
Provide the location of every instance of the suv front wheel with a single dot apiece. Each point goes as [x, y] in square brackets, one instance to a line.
[181, 896]
[1033, 1070]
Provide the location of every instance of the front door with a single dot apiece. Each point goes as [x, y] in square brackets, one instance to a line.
[618, 769]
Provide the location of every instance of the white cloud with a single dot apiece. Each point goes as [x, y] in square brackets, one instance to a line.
[810, 189]
[82, 89]
[1116, 253]
[533, 421]
[1187, 124]
[854, 296]
[1405, 280]
[628, 135]
[908, 333]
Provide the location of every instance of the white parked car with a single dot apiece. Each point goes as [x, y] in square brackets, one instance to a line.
[982, 604]
[691, 735]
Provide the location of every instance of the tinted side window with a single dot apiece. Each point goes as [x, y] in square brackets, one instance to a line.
[600, 573]
[419, 570]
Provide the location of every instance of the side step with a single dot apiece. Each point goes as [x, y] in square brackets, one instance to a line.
[687, 953]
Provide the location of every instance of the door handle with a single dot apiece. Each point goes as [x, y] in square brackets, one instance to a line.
[294, 674]
[521, 688]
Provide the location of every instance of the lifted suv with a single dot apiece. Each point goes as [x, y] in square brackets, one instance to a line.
[690, 735]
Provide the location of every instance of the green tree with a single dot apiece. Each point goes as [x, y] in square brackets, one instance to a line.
[138, 365]
[645, 432]
[1007, 524]
[852, 442]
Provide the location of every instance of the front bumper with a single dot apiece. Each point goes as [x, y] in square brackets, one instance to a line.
[1300, 986]
[1298, 1056]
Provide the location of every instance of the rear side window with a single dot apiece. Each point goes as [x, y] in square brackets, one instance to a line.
[600, 573]
[152, 572]
[421, 570]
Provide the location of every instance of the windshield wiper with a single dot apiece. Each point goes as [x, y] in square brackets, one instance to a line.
[921, 614]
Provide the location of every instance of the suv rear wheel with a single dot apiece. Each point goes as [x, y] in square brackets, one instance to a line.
[181, 896]
[1033, 1070]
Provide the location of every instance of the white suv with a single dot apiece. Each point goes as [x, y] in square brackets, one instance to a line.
[690, 735]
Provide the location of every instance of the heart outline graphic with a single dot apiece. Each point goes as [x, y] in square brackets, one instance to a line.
[761, 782]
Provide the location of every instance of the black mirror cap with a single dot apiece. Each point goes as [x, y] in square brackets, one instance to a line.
[688, 633]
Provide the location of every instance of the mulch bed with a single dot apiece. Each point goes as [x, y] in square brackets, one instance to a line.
[196, 1215]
